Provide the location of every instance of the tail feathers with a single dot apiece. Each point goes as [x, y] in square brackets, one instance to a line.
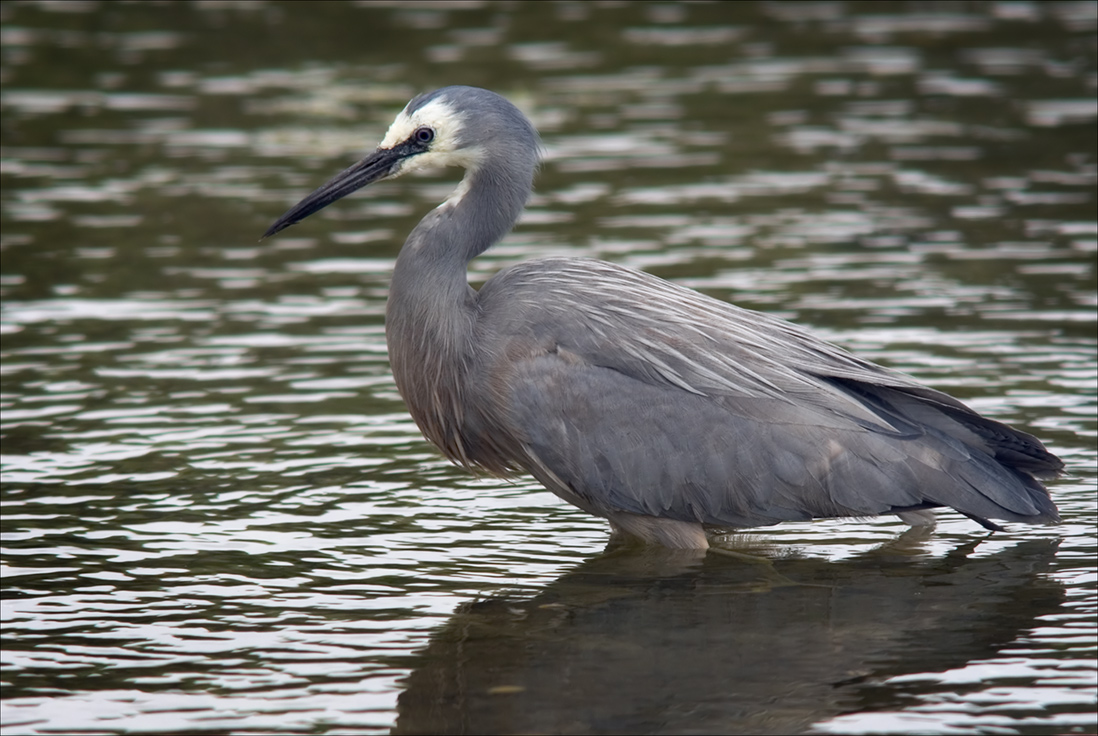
[1001, 465]
[1011, 447]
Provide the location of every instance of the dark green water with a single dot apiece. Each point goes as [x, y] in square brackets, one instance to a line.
[217, 515]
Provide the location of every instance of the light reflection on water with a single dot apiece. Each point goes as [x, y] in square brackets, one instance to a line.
[217, 514]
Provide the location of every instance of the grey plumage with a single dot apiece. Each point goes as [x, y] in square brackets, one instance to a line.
[660, 409]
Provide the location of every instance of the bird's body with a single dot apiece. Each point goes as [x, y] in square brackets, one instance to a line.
[665, 411]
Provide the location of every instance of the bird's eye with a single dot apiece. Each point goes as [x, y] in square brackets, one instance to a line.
[424, 135]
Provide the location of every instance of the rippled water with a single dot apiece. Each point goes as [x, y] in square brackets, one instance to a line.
[218, 516]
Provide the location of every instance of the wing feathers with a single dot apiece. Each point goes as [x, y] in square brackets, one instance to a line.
[643, 397]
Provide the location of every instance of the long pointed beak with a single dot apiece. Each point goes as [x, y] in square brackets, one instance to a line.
[378, 165]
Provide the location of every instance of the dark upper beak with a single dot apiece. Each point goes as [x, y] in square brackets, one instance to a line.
[377, 165]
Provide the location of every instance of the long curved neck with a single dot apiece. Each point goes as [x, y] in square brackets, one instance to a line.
[431, 314]
[429, 282]
[483, 208]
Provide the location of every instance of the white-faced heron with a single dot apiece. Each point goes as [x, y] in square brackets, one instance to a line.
[667, 412]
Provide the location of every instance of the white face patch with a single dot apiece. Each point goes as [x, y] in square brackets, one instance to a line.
[441, 118]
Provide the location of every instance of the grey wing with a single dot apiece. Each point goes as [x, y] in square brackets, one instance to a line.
[650, 399]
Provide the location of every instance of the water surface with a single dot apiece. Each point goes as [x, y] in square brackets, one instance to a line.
[219, 517]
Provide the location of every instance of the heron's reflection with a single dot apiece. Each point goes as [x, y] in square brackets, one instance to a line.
[646, 641]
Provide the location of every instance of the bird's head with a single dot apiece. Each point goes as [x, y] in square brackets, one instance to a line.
[466, 127]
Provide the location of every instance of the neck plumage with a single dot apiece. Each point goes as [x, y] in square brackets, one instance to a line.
[430, 317]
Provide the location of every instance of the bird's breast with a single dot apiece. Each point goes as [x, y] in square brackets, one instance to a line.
[447, 385]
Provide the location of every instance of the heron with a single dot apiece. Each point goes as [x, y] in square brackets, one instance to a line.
[670, 414]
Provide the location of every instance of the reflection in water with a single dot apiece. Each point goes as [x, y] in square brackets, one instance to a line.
[647, 642]
[217, 513]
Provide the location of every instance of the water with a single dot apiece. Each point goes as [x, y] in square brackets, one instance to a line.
[218, 516]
